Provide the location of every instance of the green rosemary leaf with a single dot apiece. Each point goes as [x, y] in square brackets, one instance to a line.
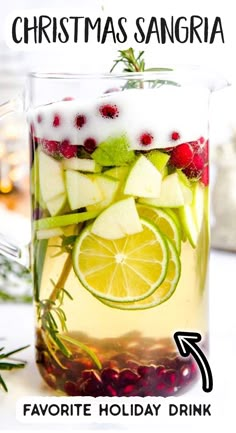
[3, 384]
[6, 355]
[10, 365]
[67, 293]
[60, 345]
[85, 348]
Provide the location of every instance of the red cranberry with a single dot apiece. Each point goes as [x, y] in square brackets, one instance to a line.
[175, 136]
[129, 390]
[109, 375]
[50, 146]
[90, 144]
[92, 386]
[109, 111]
[80, 121]
[111, 391]
[142, 386]
[201, 140]
[146, 371]
[127, 377]
[56, 120]
[71, 388]
[171, 377]
[194, 169]
[68, 98]
[205, 176]
[67, 150]
[146, 138]
[181, 156]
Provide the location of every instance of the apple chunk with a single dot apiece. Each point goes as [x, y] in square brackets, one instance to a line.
[82, 189]
[173, 193]
[108, 186]
[81, 164]
[51, 177]
[144, 180]
[118, 220]
[56, 204]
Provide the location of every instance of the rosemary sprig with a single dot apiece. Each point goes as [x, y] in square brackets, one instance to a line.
[130, 62]
[8, 366]
[136, 63]
[53, 318]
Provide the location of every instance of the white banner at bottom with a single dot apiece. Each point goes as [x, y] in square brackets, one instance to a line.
[37, 410]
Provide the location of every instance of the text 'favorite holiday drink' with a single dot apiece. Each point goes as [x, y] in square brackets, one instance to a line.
[119, 194]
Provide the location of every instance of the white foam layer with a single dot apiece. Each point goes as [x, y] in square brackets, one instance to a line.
[159, 112]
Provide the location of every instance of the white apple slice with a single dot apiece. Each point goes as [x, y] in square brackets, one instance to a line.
[144, 180]
[82, 189]
[49, 233]
[81, 164]
[108, 186]
[51, 177]
[56, 204]
[173, 193]
[118, 220]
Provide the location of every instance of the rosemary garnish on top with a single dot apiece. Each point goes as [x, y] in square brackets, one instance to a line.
[136, 63]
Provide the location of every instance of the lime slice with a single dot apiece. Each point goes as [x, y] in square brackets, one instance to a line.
[121, 270]
[163, 292]
[166, 223]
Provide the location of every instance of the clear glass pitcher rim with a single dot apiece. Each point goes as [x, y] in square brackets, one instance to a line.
[186, 74]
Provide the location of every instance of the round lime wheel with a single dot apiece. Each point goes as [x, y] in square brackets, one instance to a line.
[122, 270]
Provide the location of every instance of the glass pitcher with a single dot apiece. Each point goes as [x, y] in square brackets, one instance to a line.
[119, 252]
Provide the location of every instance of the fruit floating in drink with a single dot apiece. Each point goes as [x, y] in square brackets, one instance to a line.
[120, 186]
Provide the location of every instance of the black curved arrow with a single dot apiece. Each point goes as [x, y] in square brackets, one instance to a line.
[186, 344]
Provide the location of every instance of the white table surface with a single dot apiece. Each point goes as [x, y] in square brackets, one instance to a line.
[16, 325]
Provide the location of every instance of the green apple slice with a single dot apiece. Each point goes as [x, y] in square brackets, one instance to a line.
[118, 220]
[121, 174]
[49, 233]
[173, 193]
[82, 189]
[56, 205]
[108, 186]
[158, 159]
[51, 177]
[81, 164]
[188, 223]
[143, 180]
[192, 215]
[64, 220]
